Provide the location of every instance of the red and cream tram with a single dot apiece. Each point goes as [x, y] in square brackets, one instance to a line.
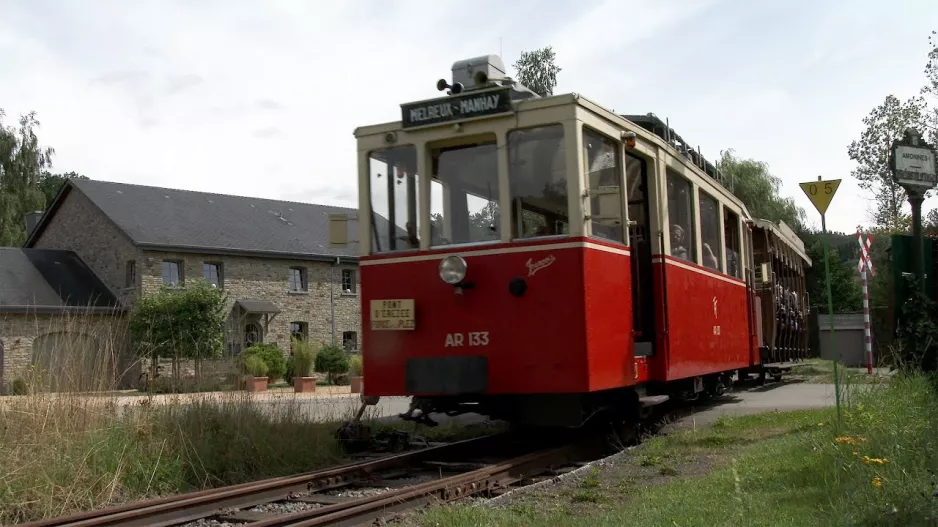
[541, 259]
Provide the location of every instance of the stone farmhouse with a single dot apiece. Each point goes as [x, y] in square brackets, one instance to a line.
[116, 242]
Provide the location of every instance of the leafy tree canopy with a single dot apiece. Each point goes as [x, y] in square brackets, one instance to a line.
[755, 186]
[22, 161]
[181, 323]
[538, 71]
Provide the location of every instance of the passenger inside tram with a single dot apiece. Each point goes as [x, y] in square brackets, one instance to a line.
[678, 249]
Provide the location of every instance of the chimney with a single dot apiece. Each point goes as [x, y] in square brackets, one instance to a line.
[32, 219]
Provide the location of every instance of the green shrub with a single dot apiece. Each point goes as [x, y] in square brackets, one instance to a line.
[333, 361]
[255, 366]
[272, 356]
[355, 365]
[304, 358]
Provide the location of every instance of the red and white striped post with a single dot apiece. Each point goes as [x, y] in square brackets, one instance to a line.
[866, 263]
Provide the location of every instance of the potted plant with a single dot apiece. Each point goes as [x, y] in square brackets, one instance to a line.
[256, 369]
[304, 359]
[355, 373]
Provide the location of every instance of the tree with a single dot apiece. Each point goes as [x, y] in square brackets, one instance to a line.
[50, 184]
[759, 190]
[845, 289]
[885, 123]
[537, 70]
[180, 323]
[22, 161]
[930, 90]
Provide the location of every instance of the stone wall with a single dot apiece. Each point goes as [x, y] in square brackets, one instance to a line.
[81, 227]
[268, 279]
[18, 333]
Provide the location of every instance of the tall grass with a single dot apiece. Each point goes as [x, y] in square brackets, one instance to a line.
[881, 461]
[74, 442]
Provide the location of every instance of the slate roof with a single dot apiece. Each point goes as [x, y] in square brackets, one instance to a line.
[180, 220]
[48, 280]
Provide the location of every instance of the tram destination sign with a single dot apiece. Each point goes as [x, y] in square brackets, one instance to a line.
[456, 107]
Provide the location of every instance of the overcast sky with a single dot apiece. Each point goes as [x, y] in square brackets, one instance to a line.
[260, 98]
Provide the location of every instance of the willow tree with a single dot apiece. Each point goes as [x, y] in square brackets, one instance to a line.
[755, 186]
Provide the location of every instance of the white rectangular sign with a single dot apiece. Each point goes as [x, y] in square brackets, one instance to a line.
[915, 166]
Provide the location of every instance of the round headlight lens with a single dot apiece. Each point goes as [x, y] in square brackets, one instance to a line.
[452, 269]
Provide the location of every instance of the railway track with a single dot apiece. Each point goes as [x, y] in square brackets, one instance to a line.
[363, 491]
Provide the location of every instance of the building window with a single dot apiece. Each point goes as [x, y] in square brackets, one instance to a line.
[297, 279]
[350, 340]
[131, 273]
[348, 281]
[299, 330]
[212, 272]
[172, 273]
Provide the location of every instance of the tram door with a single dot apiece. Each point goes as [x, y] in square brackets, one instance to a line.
[640, 240]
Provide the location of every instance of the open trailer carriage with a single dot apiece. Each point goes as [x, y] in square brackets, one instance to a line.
[543, 259]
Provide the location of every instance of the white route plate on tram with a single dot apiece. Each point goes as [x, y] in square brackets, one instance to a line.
[392, 315]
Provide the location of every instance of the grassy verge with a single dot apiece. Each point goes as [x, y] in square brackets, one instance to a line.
[817, 371]
[60, 455]
[799, 468]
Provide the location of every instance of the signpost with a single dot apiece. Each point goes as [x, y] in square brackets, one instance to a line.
[821, 193]
[866, 262]
[912, 161]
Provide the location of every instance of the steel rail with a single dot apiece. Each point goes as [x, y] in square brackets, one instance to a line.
[173, 510]
[357, 511]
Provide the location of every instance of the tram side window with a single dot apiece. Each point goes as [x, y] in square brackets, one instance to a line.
[601, 156]
[537, 179]
[681, 217]
[464, 194]
[710, 249]
[731, 236]
[395, 222]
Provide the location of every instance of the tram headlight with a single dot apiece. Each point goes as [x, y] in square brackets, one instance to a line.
[452, 269]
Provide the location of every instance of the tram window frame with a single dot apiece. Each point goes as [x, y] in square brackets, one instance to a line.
[686, 219]
[524, 206]
[612, 175]
[408, 230]
[731, 236]
[637, 198]
[452, 192]
[710, 232]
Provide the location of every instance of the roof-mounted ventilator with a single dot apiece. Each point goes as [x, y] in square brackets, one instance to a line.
[480, 73]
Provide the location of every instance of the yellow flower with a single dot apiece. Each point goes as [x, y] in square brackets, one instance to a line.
[877, 481]
[877, 460]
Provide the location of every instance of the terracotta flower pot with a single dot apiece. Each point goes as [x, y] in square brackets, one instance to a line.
[356, 383]
[304, 384]
[257, 384]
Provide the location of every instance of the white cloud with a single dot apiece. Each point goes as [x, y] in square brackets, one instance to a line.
[261, 98]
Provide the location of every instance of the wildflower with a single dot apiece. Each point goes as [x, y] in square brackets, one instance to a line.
[877, 481]
[879, 461]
